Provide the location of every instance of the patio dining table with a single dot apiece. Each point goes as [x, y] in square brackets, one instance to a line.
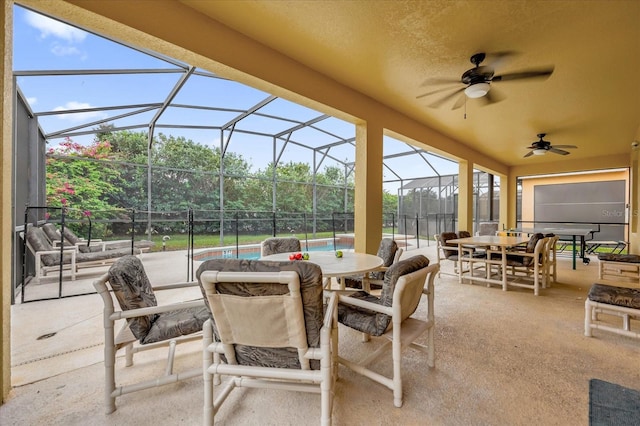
[503, 242]
[351, 263]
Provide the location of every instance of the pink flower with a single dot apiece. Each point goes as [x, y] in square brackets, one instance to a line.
[87, 213]
[63, 201]
[47, 215]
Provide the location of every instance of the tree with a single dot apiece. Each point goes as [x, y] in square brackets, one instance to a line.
[82, 184]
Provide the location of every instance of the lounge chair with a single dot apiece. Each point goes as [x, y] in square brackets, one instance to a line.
[47, 257]
[53, 234]
[83, 246]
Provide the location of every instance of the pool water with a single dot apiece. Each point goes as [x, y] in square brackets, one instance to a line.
[231, 253]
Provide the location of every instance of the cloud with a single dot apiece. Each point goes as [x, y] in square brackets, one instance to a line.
[60, 50]
[50, 27]
[79, 116]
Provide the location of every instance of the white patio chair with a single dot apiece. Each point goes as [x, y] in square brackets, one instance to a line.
[390, 316]
[148, 325]
[268, 331]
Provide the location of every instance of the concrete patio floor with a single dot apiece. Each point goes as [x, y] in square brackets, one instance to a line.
[502, 358]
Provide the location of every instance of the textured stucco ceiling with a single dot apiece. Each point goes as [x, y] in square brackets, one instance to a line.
[388, 49]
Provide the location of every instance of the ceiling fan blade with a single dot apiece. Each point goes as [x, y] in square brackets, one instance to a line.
[461, 100]
[492, 97]
[558, 151]
[539, 73]
[433, 92]
[497, 58]
[439, 80]
[445, 99]
[565, 146]
[528, 154]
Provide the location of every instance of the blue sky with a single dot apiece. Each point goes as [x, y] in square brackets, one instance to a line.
[41, 43]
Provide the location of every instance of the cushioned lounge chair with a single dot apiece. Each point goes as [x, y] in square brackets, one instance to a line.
[47, 257]
[148, 326]
[53, 234]
[269, 330]
[84, 247]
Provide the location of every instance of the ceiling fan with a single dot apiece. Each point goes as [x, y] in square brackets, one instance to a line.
[541, 147]
[477, 81]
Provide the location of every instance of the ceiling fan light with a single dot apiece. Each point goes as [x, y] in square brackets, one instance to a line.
[477, 90]
[539, 151]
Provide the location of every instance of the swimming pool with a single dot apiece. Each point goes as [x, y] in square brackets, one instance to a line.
[253, 251]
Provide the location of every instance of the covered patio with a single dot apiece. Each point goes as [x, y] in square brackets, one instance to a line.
[501, 358]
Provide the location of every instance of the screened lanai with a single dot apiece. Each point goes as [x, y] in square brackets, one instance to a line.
[126, 141]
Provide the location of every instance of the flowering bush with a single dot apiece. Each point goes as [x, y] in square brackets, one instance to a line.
[87, 185]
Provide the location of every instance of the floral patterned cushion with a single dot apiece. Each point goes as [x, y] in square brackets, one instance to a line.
[132, 289]
[312, 300]
[375, 323]
[387, 252]
[612, 295]
[630, 258]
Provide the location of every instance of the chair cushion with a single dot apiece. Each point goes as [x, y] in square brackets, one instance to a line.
[73, 239]
[132, 289]
[280, 245]
[375, 323]
[444, 237]
[630, 258]
[312, 301]
[181, 322]
[39, 242]
[612, 295]
[70, 236]
[51, 232]
[387, 252]
[464, 234]
[525, 261]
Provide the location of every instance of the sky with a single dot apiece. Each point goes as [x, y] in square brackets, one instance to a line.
[42, 43]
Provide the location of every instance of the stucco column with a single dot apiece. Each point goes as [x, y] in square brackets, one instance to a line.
[368, 192]
[6, 110]
[508, 201]
[634, 200]
[465, 196]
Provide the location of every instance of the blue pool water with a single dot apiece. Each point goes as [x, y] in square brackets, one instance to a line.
[231, 253]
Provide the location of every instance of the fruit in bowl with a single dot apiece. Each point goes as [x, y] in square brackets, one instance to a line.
[338, 254]
[295, 256]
